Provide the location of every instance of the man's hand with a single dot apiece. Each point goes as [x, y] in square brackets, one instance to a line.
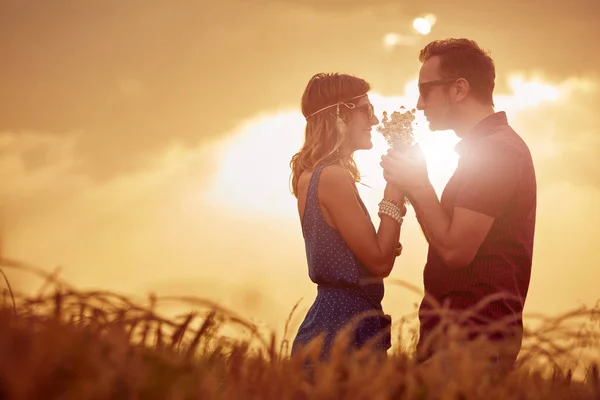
[406, 170]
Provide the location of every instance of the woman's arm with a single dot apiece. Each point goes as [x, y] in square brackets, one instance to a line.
[375, 249]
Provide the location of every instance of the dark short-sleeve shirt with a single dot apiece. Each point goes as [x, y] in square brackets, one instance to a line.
[494, 176]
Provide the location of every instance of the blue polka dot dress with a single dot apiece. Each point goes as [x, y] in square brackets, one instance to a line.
[345, 288]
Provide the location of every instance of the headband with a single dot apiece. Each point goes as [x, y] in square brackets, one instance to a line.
[347, 105]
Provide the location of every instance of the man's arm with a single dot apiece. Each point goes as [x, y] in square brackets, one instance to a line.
[456, 240]
[488, 178]
[422, 226]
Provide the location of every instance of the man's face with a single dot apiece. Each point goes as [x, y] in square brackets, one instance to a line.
[434, 96]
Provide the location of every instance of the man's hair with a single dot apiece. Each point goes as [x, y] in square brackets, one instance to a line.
[463, 58]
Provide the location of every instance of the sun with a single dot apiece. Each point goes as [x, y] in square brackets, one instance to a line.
[438, 147]
[253, 171]
[252, 178]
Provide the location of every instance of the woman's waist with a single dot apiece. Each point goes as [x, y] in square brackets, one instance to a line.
[358, 283]
[369, 289]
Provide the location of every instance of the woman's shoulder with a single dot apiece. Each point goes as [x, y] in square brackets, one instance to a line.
[335, 173]
[330, 173]
[336, 180]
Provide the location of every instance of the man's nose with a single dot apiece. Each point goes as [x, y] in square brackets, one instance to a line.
[420, 104]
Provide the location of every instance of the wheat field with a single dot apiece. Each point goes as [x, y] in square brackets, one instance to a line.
[63, 343]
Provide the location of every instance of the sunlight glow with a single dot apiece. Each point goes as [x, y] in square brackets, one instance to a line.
[424, 24]
[533, 92]
[253, 163]
[253, 173]
[391, 39]
[421, 27]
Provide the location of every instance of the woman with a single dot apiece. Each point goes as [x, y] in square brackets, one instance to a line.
[347, 258]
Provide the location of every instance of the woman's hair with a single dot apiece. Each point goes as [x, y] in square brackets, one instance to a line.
[323, 139]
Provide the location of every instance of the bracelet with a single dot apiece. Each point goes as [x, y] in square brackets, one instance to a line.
[401, 206]
[391, 210]
[394, 214]
[394, 202]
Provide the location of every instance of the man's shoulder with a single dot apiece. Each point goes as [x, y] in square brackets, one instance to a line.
[505, 140]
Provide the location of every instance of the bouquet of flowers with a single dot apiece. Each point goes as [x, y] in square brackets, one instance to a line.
[398, 130]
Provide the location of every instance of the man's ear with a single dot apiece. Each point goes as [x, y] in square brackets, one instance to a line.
[461, 89]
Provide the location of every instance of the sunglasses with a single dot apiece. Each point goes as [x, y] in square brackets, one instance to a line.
[366, 109]
[425, 87]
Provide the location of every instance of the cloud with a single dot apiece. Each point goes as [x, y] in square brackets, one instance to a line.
[563, 134]
[52, 203]
[217, 220]
[140, 77]
[146, 230]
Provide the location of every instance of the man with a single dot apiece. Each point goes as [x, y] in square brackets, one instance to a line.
[481, 232]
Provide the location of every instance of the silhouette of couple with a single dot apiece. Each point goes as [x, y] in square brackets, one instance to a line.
[480, 232]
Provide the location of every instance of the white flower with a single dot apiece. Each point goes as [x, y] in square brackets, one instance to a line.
[398, 130]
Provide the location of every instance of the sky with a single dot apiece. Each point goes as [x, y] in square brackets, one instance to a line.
[144, 145]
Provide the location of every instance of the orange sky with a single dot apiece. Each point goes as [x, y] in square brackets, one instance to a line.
[116, 119]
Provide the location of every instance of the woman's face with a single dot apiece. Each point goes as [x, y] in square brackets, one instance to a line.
[362, 119]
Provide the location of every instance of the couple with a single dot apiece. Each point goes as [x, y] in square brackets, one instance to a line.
[480, 233]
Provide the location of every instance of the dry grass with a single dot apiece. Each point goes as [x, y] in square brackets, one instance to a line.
[66, 344]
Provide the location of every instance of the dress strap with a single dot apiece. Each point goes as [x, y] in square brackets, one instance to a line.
[313, 185]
